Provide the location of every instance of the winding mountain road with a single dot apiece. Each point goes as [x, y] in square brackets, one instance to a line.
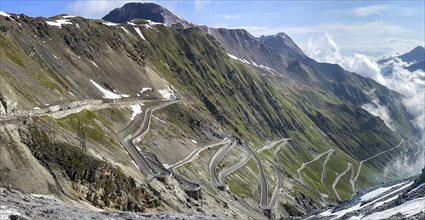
[350, 166]
[271, 145]
[278, 149]
[139, 157]
[149, 164]
[365, 160]
[218, 156]
[263, 185]
[311, 161]
[227, 171]
[195, 153]
[147, 160]
[322, 177]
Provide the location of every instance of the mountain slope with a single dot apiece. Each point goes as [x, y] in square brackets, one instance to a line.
[284, 45]
[416, 66]
[267, 93]
[403, 199]
[416, 55]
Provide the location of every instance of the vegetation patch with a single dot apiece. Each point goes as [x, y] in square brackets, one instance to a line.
[104, 185]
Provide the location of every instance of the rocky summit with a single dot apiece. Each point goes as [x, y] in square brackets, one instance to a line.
[147, 11]
[142, 114]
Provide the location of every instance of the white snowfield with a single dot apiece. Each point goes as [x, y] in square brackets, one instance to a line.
[397, 192]
[408, 209]
[247, 62]
[145, 89]
[58, 23]
[5, 212]
[125, 30]
[110, 24]
[137, 109]
[108, 94]
[238, 59]
[341, 213]
[131, 23]
[377, 195]
[167, 93]
[46, 197]
[385, 201]
[418, 187]
[139, 33]
[377, 192]
[4, 14]
[152, 23]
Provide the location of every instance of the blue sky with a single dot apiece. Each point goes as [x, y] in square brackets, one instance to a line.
[369, 27]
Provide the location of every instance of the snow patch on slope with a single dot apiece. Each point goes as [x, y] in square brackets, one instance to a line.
[4, 14]
[238, 59]
[125, 30]
[110, 24]
[341, 213]
[408, 209]
[94, 63]
[377, 192]
[167, 93]
[108, 94]
[145, 89]
[5, 212]
[247, 62]
[152, 23]
[58, 23]
[137, 109]
[139, 33]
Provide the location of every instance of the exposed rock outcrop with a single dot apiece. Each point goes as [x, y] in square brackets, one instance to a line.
[96, 181]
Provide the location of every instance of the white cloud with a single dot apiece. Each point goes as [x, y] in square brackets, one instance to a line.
[377, 28]
[324, 49]
[377, 109]
[95, 8]
[371, 10]
[200, 4]
[410, 84]
[352, 37]
[226, 16]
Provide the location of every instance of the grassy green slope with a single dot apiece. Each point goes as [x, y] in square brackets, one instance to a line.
[257, 109]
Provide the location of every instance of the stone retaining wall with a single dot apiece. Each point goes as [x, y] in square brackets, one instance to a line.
[62, 110]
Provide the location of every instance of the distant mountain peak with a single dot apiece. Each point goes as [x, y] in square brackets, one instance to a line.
[283, 44]
[282, 34]
[416, 55]
[147, 11]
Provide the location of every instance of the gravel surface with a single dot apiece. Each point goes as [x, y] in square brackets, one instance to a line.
[17, 205]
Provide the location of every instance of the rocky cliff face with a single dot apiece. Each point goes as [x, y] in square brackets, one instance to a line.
[401, 199]
[229, 83]
[19, 205]
[146, 11]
